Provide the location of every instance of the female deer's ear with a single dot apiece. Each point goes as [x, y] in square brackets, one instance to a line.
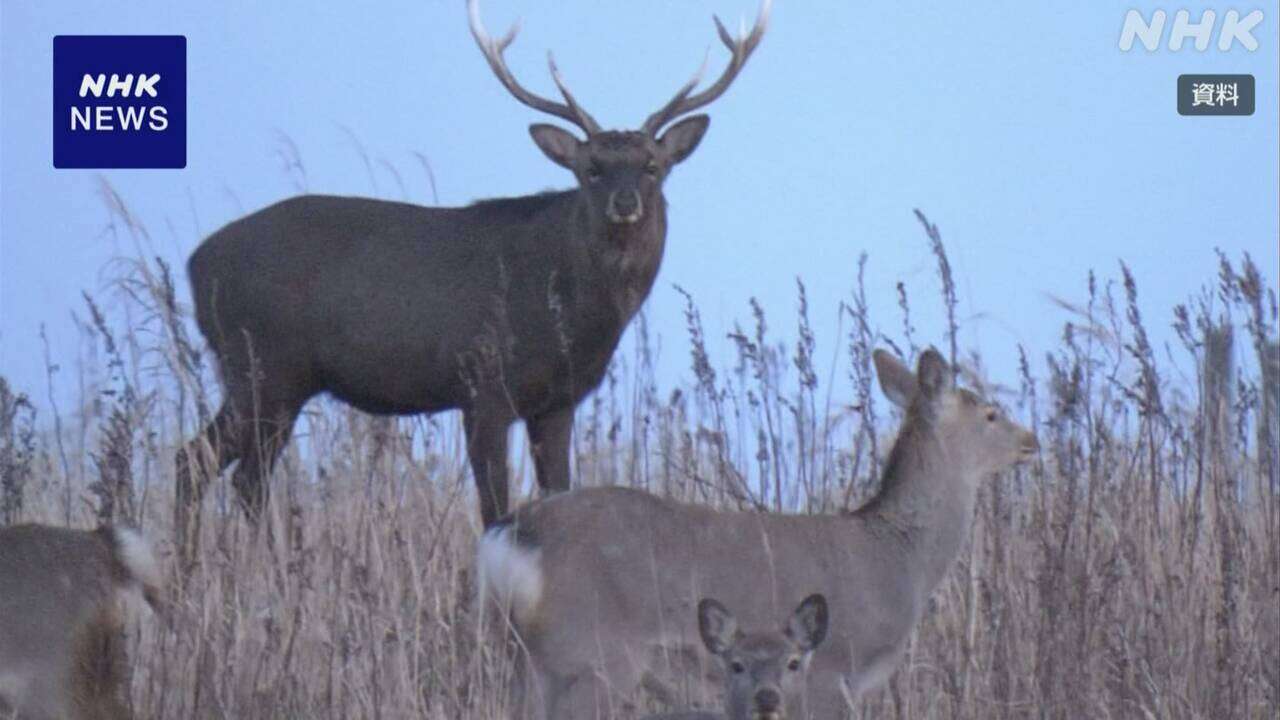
[896, 381]
[559, 145]
[933, 374]
[717, 626]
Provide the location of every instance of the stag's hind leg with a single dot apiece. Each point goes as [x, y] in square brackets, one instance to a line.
[262, 438]
[220, 439]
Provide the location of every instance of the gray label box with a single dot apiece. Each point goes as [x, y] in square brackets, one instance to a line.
[1215, 94]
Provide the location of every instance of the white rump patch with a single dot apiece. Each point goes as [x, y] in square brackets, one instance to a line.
[136, 555]
[508, 574]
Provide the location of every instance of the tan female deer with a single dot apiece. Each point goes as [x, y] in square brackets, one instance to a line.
[61, 647]
[598, 580]
[764, 671]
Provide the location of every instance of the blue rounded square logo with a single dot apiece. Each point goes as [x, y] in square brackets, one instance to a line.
[119, 101]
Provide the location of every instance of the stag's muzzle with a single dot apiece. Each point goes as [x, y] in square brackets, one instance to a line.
[625, 207]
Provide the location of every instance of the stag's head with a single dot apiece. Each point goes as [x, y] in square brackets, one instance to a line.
[620, 172]
[976, 434]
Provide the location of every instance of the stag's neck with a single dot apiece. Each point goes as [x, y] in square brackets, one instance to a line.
[628, 255]
[927, 497]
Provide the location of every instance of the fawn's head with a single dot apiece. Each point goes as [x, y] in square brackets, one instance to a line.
[976, 434]
[620, 173]
[764, 671]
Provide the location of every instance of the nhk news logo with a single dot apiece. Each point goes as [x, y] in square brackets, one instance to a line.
[119, 101]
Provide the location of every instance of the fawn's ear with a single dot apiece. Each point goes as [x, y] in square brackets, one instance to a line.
[807, 627]
[717, 626]
[934, 375]
[556, 143]
[896, 381]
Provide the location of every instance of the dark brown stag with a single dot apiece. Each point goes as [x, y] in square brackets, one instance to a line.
[505, 309]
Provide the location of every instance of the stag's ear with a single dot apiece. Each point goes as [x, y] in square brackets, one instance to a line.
[559, 145]
[807, 627]
[717, 626]
[934, 375]
[681, 139]
[896, 381]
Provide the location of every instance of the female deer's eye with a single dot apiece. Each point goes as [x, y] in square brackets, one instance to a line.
[794, 665]
[594, 173]
[737, 667]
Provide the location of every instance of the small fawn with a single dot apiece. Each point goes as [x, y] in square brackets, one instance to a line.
[764, 671]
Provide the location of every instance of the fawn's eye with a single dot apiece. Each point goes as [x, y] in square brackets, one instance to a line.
[794, 665]
[737, 667]
[993, 415]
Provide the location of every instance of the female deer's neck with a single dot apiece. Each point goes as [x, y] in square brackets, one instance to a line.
[927, 494]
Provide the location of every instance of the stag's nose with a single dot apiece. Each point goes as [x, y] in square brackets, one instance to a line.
[768, 700]
[625, 206]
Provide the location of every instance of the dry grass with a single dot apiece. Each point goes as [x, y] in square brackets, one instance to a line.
[1133, 572]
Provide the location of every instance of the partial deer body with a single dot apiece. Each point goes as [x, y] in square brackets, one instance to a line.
[61, 619]
[506, 309]
[597, 580]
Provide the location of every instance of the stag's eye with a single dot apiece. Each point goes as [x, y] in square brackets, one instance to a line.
[794, 665]
[737, 667]
[594, 173]
[651, 169]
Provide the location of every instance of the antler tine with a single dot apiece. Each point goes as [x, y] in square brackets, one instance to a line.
[740, 49]
[493, 54]
[659, 117]
[585, 120]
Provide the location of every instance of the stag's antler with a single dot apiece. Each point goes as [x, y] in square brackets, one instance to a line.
[493, 50]
[741, 49]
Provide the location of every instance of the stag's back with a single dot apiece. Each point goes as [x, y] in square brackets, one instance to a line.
[61, 650]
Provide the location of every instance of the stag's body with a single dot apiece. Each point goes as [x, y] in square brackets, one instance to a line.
[597, 579]
[506, 309]
[61, 647]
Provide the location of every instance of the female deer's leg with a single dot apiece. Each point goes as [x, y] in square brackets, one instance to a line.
[599, 691]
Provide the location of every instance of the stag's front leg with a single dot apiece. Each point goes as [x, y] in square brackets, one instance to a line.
[549, 436]
[487, 448]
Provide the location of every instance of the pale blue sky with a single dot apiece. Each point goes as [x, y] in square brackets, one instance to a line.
[1039, 148]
